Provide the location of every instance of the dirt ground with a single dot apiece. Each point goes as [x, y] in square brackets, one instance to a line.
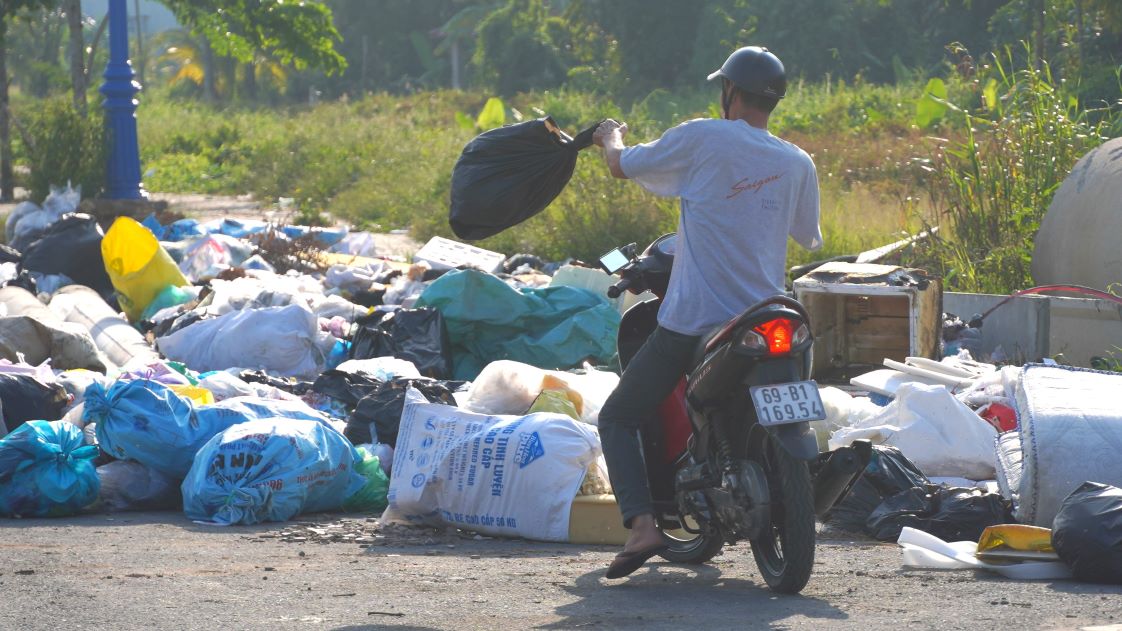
[159, 570]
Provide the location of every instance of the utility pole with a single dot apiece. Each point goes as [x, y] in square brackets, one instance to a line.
[119, 90]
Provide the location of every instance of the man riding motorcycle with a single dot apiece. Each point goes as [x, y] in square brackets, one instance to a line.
[743, 192]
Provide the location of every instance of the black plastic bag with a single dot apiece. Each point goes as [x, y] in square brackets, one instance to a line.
[888, 473]
[25, 398]
[346, 387]
[416, 335]
[509, 174]
[383, 408]
[71, 246]
[952, 514]
[1087, 533]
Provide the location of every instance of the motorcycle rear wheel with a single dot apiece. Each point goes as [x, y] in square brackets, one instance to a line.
[690, 549]
[784, 553]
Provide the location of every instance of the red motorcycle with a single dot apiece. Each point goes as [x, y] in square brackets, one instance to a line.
[733, 456]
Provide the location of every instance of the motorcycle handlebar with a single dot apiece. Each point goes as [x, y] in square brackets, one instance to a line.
[616, 290]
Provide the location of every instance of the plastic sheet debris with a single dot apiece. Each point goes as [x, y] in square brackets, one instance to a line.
[933, 429]
[529, 470]
[509, 174]
[148, 422]
[212, 254]
[416, 335]
[271, 470]
[555, 327]
[46, 470]
[1087, 532]
[279, 339]
[127, 485]
[357, 244]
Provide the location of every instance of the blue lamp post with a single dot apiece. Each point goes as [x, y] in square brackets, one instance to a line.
[119, 90]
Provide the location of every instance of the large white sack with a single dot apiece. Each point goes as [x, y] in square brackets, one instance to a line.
[279, 339]
[498, 475]
[1070, 432]
[931, 428]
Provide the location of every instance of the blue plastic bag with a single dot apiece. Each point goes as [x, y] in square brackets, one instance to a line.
[46, 470]
[271, 470]
[146, 421]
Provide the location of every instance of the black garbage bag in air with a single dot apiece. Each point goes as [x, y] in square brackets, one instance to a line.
[416, 335]
[71, 246]
[509, 174]
[1087, 533]
[949, 513]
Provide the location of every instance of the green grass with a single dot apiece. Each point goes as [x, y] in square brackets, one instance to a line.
[385, 162]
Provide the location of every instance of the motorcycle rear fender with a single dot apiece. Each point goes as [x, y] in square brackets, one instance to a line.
[797, 438]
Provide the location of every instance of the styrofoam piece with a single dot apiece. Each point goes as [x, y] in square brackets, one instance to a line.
[443, 254]
[931, 375]
[952, 366]
[886, 381]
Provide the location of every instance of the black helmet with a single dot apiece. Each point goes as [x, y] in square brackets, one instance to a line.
[756, 71]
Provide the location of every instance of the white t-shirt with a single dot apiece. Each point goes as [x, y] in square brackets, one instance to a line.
[743, 192]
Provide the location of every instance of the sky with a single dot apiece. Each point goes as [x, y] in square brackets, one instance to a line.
[158, 17]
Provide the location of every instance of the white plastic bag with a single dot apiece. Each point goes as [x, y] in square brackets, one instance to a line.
[510, 387]
[498, 475]
[931, 428]
[279, 339]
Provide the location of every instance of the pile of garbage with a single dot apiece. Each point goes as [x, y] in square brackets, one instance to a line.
[243, 372]
[961, 447]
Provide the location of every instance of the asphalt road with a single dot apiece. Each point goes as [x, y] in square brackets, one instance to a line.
[161, 571]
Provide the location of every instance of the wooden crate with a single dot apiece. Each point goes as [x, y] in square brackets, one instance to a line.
[858, 320]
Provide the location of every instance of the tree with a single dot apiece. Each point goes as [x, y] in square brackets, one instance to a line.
[296, 34]
[8, 10]
[515, 50]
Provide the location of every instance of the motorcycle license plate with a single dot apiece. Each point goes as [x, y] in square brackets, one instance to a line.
[783, 403]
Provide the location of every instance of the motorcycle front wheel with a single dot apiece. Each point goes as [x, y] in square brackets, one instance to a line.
[785, 551]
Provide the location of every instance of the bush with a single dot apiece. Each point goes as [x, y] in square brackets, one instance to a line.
[994, 185]
[64, 147]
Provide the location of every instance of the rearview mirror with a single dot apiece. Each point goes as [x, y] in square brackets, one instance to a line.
[614, 261]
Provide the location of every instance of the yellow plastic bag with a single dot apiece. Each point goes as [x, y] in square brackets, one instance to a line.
[138, 265]
[197, 394]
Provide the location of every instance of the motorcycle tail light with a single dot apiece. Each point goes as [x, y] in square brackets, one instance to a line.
[776, 337]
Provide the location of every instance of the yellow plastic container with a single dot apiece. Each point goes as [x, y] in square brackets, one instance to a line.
[594, 519]
[199, 395]
[138, 265]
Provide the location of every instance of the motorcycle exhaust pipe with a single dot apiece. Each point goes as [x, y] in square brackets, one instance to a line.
[837, 472]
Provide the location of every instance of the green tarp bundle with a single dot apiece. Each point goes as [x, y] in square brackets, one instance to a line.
[552, 328]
